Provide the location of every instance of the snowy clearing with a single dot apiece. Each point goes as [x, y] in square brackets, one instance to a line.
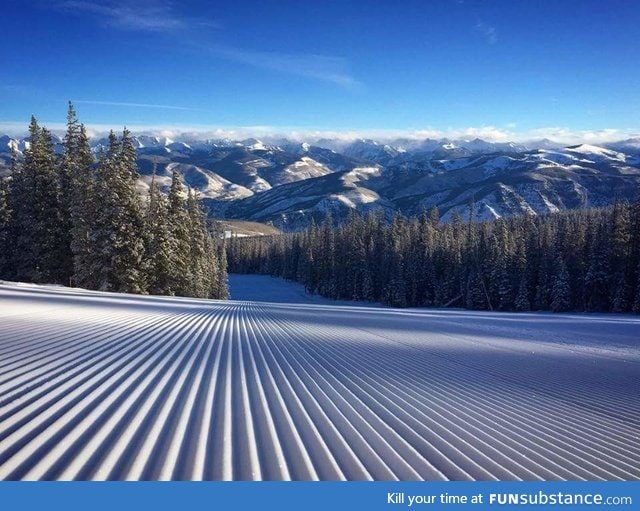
[108, 386]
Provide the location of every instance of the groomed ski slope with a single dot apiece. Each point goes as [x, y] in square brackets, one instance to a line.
[107, 386]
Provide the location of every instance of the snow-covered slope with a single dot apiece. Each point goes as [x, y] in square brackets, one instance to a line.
[110, 386]
[208, 184]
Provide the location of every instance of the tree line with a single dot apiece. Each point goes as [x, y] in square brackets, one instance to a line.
[577, 260]
[69, 219]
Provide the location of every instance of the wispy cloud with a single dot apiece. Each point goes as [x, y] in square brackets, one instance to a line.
[154, 16]
[161, 16]
[134, 105]
[320, 67]
[488, 32]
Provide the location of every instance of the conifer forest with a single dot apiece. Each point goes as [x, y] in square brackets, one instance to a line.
[577, 260]
[68, 219]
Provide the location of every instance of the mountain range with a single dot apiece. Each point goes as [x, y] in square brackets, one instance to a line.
[287, 183]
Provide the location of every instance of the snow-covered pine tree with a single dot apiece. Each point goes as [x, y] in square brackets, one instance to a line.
[51, 242]
[220, 288]
[76, 199]
[35, 202]
[118, 229]
[178, 224]
[159, 247]
[82, 208]
[202, 272]
[67, 172]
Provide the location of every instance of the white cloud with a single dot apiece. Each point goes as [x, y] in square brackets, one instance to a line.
[487, 31]
[135, 105]
[151, 16]
[273, 133]
[321, 67]
[161, 16]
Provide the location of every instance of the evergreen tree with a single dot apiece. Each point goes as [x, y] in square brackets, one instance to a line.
[475, 296]
[598, 276]
[5, 232]
[37, 219]
[561, 292]
[76, 200]
[201, 260]
[557, 262]
[522, 302]
[60, 221]
[51, 242]
[67, 173]
[118, 229]
[219, 269]
[621, 273]
[636, 302]
[81, 207]
[159, 247]
[178, 224]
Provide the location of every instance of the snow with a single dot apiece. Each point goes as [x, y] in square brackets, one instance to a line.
[253, 144]
[304, 168]
[353, 198]
[495, 164]
[263, 288]
[112, 386]
[456, 163]
[599, 152]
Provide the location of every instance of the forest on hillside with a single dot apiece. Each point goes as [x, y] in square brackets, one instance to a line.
[576, 260]
[69, 219]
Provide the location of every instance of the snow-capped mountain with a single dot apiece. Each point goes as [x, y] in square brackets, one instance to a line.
[628, 146]
[495, 185]
[289, 182]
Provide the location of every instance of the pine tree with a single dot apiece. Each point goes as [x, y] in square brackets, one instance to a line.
[51, 245]
[621, 273]
[557, 262]
[598, 276]
[118, 229]
[82, 210]
[35, 201]
[178, 224]
[202, 270]
[636, 302]
[159, 243]
[21, 204]
[561, 292]
[67, 173]
[522, 302]
[5, 232]
[475, 296]
[76, 200]
[59, 218]
[220, 288]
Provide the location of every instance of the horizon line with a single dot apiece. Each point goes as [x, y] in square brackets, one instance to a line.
[556, 134]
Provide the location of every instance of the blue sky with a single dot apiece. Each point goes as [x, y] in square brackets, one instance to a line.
[501, 69]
